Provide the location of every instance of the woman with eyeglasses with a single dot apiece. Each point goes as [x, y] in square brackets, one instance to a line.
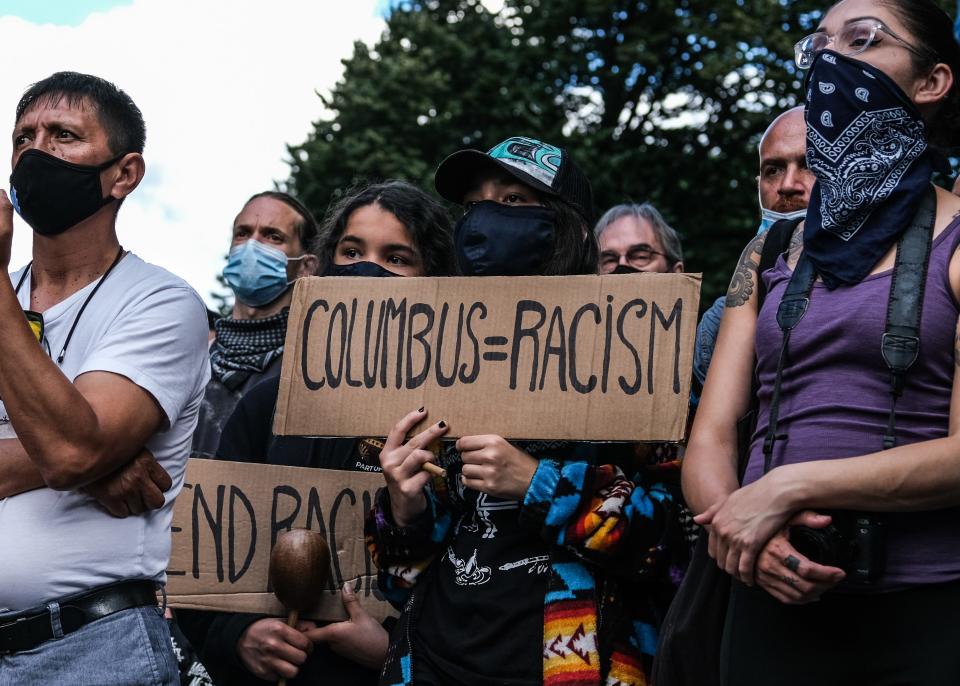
[844, 539]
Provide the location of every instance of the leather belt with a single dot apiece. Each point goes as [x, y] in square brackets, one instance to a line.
[31, 628]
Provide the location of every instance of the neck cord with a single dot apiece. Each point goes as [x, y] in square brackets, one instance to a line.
[76, 320]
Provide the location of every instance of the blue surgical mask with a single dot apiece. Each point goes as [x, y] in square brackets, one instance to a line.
[768, 218]
[257, 273]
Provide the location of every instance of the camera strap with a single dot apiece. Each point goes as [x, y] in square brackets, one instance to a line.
[900, 344]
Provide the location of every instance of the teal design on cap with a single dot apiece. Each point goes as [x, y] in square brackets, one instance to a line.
[540, 160]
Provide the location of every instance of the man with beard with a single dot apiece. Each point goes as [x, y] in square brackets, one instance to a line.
[784, 185]
[269, 250]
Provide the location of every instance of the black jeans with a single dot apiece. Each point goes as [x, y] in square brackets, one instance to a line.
[904, 638]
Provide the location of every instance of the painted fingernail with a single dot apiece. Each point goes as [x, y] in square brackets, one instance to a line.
[442, 424]
[420, 410]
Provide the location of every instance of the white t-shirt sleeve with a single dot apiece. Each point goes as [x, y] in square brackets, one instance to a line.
[159, 342]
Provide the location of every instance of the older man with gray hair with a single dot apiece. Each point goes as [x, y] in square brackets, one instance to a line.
[636, 238]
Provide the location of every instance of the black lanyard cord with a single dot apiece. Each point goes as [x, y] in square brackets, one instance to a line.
[76, 320]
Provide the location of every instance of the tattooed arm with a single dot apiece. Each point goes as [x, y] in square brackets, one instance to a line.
[710, 464]
[743, 285]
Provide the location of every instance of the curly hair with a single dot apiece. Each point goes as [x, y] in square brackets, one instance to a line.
[423, 216]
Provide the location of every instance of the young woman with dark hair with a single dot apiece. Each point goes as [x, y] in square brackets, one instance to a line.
[397, 203]
[532, 562]
[844, 540]
[385, 229]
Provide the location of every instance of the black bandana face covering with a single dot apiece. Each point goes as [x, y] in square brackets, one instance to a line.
[53, 195]
[867, 146]
[493, 239]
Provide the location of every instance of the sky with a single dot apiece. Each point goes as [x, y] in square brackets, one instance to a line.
[223, 85]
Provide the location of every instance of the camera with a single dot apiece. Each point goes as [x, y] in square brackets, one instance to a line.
[853, 541]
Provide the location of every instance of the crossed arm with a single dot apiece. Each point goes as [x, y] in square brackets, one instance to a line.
[69, 434]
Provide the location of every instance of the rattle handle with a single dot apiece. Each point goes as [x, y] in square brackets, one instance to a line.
[292, 620]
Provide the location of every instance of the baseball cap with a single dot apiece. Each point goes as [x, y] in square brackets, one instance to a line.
[544, 167]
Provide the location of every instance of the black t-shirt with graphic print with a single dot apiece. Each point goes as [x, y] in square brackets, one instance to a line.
[481, 622]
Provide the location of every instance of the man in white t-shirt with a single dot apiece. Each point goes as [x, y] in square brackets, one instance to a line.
[103, 361]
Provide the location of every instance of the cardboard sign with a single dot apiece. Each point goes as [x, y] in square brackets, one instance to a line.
[228, 516]
[602, 358]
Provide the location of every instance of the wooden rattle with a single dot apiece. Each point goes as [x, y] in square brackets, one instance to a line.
[299, 572]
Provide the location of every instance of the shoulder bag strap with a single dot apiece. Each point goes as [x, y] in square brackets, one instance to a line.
[777, 241]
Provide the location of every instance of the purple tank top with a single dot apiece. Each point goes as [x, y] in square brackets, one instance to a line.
[835, 398]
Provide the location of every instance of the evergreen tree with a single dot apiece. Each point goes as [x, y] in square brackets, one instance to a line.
[658, 100]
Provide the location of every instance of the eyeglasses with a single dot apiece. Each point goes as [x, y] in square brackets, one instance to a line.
[853, 39]
[636, 257]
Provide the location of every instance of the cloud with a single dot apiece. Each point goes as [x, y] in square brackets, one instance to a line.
[223, 86]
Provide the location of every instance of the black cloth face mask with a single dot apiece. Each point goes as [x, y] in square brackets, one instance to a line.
[357, 269]
[493, 239]
[53, 195]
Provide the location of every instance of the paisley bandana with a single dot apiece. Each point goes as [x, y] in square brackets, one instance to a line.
[867, 146]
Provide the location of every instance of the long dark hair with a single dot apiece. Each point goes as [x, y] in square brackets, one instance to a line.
[425, 219]
[575, 250]
[932, 32]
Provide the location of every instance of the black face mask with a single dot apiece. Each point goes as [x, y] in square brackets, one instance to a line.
[504, 240]
[625, 269]
[357, 269]
[53, 195]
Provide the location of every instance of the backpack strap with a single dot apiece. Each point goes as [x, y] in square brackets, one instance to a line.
[776, 243]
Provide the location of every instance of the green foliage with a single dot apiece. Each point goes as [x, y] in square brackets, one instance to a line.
[658, 100]
[222, 296]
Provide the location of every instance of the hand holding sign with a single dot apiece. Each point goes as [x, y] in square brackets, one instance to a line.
[403, 466]
[493, 465]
